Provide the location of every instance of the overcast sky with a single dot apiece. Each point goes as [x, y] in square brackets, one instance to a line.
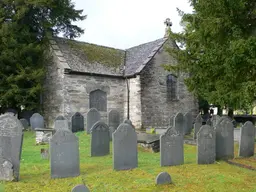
[127, 23]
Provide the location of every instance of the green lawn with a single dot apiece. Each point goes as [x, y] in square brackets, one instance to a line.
[98, 175]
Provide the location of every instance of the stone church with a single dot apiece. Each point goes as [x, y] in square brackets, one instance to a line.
[83, 76]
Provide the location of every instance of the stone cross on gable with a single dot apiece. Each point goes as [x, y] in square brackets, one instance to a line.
[168, 24]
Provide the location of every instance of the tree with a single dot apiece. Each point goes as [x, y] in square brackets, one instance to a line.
[218, 51]
[25, 29]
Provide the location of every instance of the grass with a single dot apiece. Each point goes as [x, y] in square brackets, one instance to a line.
[99, 176]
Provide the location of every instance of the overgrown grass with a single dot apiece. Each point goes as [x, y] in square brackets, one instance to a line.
[99, 176]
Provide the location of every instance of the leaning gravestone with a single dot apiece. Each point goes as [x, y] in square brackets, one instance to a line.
[206, 145]
[198, 124]
[113, 121]
[171, 148]
[61, 123]
[189, 123]
[163, 178]
[25, 124]
[36, 121]
[179, 123]
[125, 152]
[224, 139]
[100, 140]
[80, 188]
[77, 122]
[64, 154]
[93, 116]
[246, 142]
[11, 138]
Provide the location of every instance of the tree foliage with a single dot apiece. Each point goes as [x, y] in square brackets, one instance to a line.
[25, 29]
[218, 51]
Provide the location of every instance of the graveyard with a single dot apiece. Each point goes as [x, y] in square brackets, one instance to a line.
[118, 163]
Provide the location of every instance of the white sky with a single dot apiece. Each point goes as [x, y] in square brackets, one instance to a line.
[127, 23]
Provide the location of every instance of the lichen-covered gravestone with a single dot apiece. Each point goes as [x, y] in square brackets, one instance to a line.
[113, 121]
[61, 123]
[125, 152]
[246, 142]
[171, 148]
[198, 124]
[179, 123]
[100, 140]
[11, 138]
[188, 123]
[64, 154]
[224, 139]
[36, 121]
[80, 188]
[93, 116]
[163, 178]
[206, 145]
[25, 124]
[77, 122]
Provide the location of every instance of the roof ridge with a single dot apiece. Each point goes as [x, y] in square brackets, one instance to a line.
[146, 43]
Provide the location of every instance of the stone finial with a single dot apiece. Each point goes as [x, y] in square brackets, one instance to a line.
[168, 24]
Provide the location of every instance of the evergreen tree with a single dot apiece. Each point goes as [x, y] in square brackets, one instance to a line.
[219, 51]
[25, 29]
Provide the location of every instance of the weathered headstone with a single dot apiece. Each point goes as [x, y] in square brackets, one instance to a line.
[198, 124]
[77, 122]
[24, 122]
[60, 117]
[128, 121]
[80, 188]
[36, 121]
[215, 119]
[189, 123]
[113, 121]
[179, 123]
[26, 115]
[206, 146]
[246, 142]
[224, 140]
[163, 178]
[125, 152]
[100, 140]
[61, 123]
[93, 116]
[64, 154]
[171, 148]
[11, 138]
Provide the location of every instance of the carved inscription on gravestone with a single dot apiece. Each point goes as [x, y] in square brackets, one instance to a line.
[11, 138]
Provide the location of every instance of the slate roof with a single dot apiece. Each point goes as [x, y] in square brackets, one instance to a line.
[91, 58]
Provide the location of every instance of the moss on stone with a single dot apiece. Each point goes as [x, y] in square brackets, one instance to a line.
[99, 54]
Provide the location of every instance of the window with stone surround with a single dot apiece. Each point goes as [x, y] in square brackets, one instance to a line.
[98, 100]
[172, 87]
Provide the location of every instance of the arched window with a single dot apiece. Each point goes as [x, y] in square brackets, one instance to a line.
[98, 100]
[172, 88]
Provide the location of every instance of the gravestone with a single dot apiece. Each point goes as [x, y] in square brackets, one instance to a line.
[100, 140]
[179, 123]
[93, 116]
[224, 139]
[11, 139]
[188, 123]
[215, 120]
[60, 117]
[25, 124]
[61, 123]
[198, 124]
[113, 121]
[246, 142]
[77, 122]
[125, 152]
[163, 178]
[36, 121]
[128, 121]
[26, 115]
[171, 148]
[206, 145]
[64, 154]
[80, 188]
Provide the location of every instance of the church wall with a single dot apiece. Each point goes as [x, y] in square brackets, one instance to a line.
[156, 109]
[77, 90]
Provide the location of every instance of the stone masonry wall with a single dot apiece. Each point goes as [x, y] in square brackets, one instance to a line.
[77, 89]
[156, 110]
[135, 102]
